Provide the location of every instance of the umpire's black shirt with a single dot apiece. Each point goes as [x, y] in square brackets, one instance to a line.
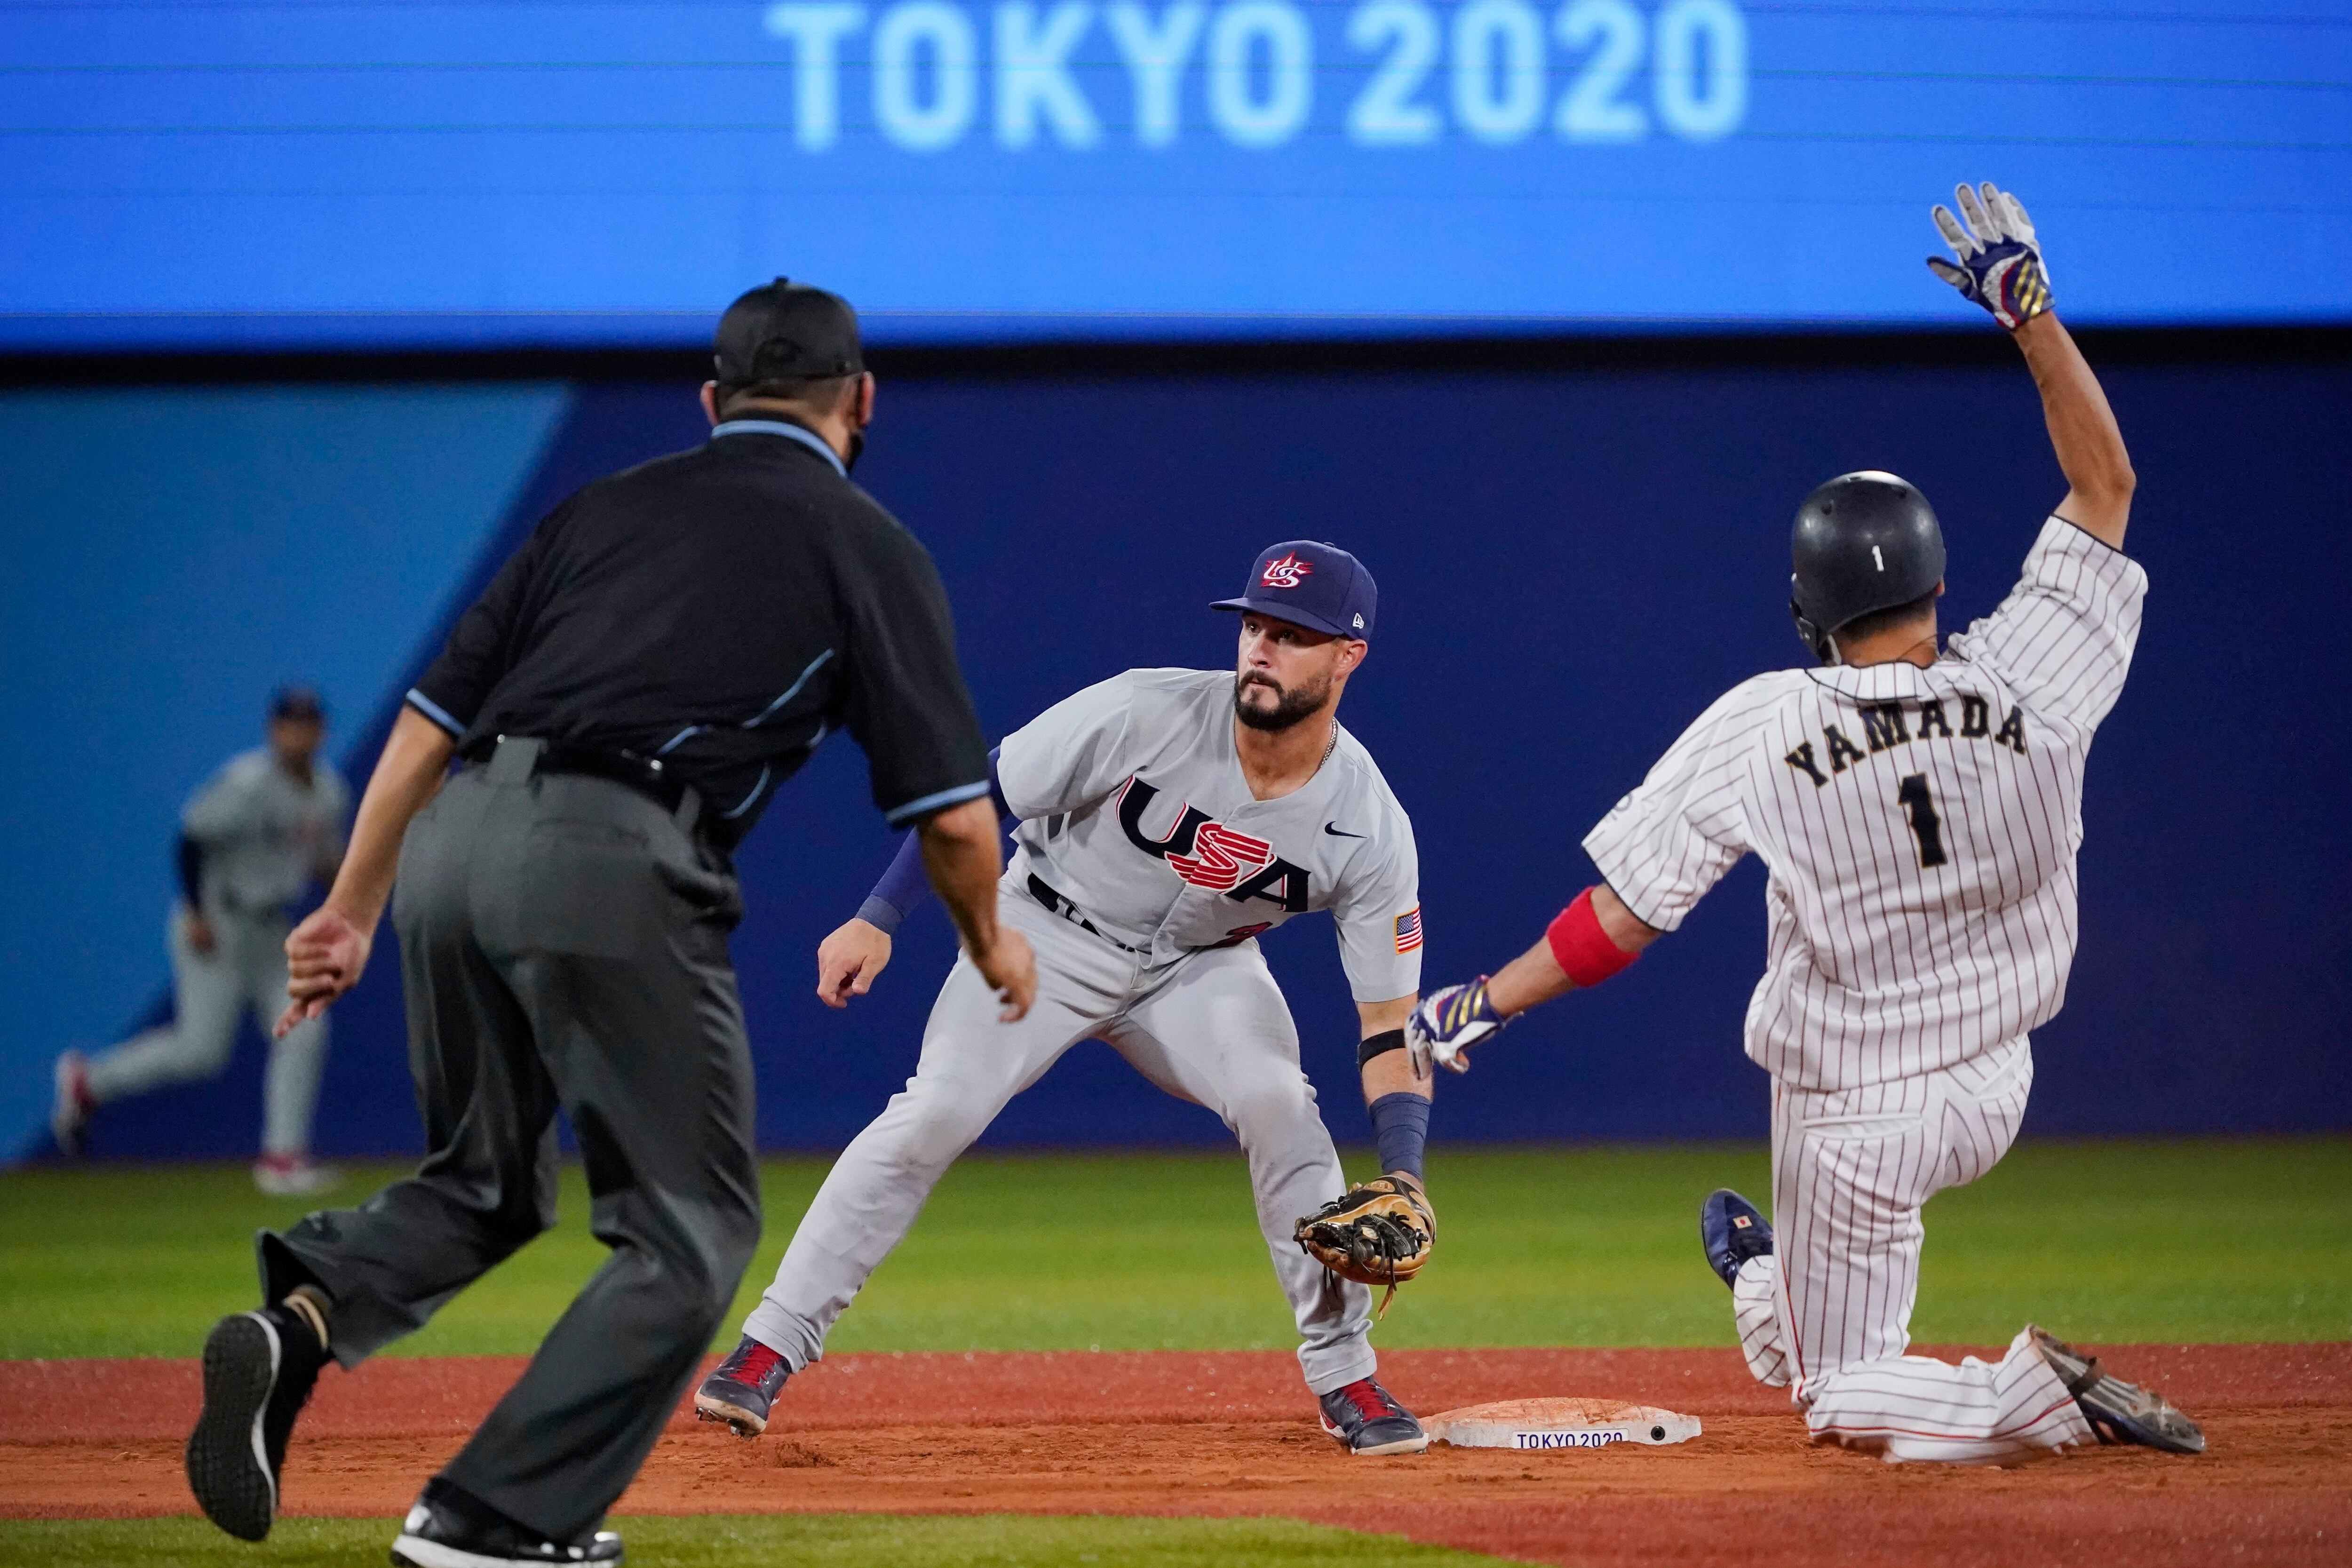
[723, 609]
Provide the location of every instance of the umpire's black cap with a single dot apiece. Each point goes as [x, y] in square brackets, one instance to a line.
[1864, 541]
[785, 330]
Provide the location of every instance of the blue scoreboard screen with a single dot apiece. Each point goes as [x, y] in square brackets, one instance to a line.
[312, 173]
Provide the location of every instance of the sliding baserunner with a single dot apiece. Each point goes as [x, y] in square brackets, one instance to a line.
[1919, 813]
[1168, 817]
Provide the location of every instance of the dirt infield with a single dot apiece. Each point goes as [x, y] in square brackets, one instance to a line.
[1232, 1433]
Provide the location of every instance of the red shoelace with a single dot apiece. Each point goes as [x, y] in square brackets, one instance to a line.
[1370, 1400]
[752, 1363]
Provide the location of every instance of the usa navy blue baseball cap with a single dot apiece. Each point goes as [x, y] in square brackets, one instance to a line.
[1310, 584]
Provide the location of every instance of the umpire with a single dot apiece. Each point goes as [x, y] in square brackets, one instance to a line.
[624, 701]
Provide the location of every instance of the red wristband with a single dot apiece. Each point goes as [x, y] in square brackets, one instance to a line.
[1582, 949]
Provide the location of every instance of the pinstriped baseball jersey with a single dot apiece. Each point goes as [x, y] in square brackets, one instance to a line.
[1133, 807]
[1920, 826]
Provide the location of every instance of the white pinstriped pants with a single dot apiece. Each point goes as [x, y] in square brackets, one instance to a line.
[1828, 1316]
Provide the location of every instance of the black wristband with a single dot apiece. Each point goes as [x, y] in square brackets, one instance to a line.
[1385, 1041]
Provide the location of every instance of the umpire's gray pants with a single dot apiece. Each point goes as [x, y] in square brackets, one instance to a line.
[563, 942]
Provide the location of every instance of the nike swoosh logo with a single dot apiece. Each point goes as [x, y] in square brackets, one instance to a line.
[1336, 831]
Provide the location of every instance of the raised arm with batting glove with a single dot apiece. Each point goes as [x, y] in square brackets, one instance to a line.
[1998, 265]
[1998, 260]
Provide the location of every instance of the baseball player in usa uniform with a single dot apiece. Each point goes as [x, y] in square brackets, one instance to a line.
[1167, 818]
[251, 840]
[1919, 813]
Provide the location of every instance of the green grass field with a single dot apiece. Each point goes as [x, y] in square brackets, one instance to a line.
[806, 1540]
[2182, 1241]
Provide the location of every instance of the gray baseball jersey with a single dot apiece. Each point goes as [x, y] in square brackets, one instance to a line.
[264, 836]
[1139, 824]
[1134, 809]
[264, 833]
[1920, 826]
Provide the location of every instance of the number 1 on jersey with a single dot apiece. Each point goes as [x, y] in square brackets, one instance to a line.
[1919, 806]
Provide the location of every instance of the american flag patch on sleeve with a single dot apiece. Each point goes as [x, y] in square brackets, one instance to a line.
[1408, 930]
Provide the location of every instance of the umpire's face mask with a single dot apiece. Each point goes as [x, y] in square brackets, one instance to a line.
[856, 449]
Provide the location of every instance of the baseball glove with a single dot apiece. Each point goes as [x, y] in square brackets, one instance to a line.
[1381, 1232]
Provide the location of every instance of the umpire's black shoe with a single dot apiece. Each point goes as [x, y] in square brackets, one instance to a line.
[451, 1528]
[1369, 1420]
[1733, 1230]
[259, 1370]
[2118, 1412]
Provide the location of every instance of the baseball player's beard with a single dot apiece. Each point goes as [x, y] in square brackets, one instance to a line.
[1289, 707]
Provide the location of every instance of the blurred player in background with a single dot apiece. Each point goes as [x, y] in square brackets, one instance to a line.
[256, 835]
[1919, 810]
[1167, 818]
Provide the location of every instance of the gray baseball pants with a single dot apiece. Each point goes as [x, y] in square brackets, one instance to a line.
[210, 993]
[564, 943]
[1211, 1028]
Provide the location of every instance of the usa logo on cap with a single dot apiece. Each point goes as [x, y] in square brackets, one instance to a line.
[1310, 582]
[1286, 572]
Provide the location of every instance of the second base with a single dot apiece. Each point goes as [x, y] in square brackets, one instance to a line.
[1532, 1424]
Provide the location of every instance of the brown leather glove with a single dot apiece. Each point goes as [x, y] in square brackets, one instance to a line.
[1381, 1232]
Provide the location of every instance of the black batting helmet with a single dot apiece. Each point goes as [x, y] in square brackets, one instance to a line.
[1863, 542]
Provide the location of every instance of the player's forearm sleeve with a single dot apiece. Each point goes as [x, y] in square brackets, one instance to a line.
[905, 885]
[1401, 1131]
[901, 890]
[190, 859]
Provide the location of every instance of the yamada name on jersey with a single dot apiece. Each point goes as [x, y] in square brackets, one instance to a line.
[1885, 725]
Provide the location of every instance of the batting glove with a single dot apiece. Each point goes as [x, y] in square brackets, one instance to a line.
[1999, 262]
[1448, 1023]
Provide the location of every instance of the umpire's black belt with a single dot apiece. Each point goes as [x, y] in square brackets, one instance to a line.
[644, 775]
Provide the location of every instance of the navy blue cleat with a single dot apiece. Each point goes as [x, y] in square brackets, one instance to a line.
[1733, 1230]
[1368, 1419]
[739, 1389]
[2118, 1412]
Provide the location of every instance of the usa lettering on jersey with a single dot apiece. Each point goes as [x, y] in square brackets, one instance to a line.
[1135, 811]
[1210, 855]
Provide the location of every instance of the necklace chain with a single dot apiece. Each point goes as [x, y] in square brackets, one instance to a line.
[1329, 746]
